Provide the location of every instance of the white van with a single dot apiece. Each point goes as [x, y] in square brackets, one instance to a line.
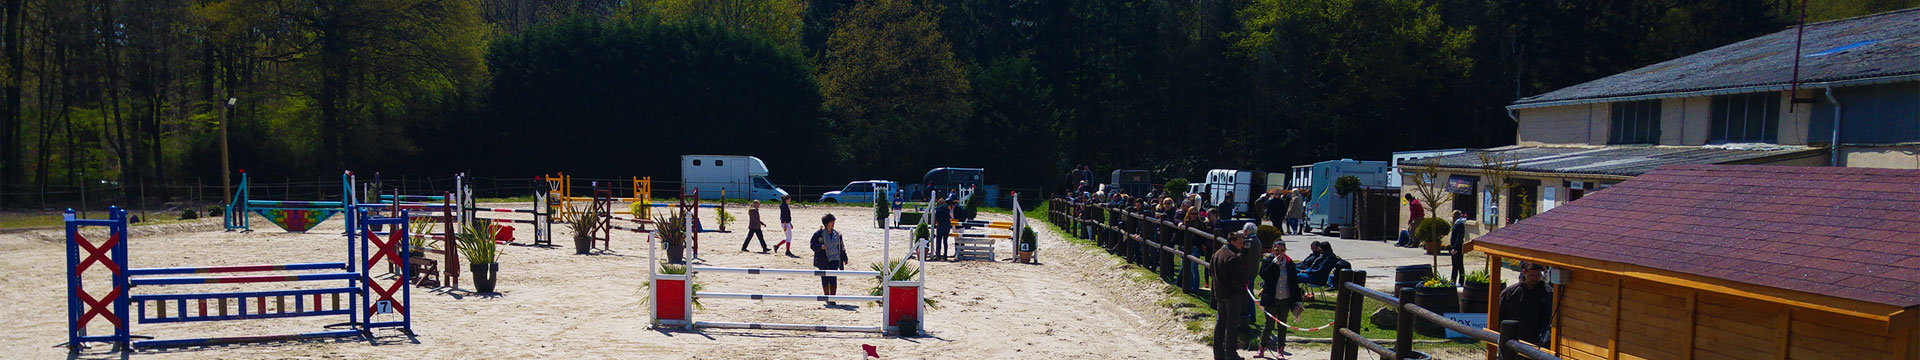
[739, 177]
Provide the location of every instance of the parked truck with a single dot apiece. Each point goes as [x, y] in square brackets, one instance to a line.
[1326, 209]
[737, 176]
[947, 179]
[1134, 182]
[1245, 185]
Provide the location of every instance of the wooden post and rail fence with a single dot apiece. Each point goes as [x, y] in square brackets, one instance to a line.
[1140, 239]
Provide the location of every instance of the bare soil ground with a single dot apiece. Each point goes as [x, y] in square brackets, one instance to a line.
[553, 304]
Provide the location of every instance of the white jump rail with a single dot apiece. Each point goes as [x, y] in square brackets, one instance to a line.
[680, 287]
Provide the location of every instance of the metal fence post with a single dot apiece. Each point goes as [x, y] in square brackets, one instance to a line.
[1403, 331]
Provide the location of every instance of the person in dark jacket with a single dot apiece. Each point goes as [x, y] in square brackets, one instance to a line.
[1277, 208]
[1276, 272]
[1459, 235]
[1531, 303]
[1318, 268]
[1224, 210]
[942, 225]
[1229, 263]
[786, 225]
[1192, 244]
[753, 228]
[829, 253]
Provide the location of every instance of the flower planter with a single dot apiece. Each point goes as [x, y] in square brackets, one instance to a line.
[582, 245]
[484, 276]
[1473, 297]
[1433, 248]
[1024, 254]
[1440, 300]
[676, 252]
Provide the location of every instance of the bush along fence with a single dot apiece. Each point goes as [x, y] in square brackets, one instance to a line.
[1149, 243]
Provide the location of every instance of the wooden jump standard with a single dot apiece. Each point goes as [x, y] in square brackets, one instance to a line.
[371, 303]
[671, 296]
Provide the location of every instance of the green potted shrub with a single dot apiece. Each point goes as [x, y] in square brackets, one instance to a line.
[1267, 235]
[640, 210]
[1429, 232]
[1028, 244]
[672, 231]
[1177, 187]
[1346, 186]
[482, 256]
[725, 218]
[582, 225]
[880, 212]
[975, 200]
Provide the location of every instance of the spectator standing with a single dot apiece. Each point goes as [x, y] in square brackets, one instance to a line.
[1277, 209]
[1229, 276]
[829, 253]
[1297, 212]
[1529, 302]
[1281, 296]
[942, 225]
[753, 228]
[1459, 235]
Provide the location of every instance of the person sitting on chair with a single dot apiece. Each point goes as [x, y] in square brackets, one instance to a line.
[1318, 269]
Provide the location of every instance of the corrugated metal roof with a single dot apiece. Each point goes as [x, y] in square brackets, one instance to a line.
[1622, 160]
[1867, 47]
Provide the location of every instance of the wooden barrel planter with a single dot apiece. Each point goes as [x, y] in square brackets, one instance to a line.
[1473, 297]
[1410, 276]
[1439, 300]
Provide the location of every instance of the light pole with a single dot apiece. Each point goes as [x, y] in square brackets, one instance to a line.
[226, 182]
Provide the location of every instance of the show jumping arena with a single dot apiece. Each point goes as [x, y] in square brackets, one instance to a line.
[553, 304]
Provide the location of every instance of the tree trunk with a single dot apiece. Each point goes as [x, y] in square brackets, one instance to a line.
[333, 83]
[10, 121]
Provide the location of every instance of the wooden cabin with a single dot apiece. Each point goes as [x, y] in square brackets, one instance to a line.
[1730, 262]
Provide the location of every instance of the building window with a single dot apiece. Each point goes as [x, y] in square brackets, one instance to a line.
[1746, 118]
[1635, 122]
[1463, 189]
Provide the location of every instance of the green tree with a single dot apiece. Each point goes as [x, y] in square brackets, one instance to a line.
[892, 84]
[1356, 77]
[778, 20]
[626, 89]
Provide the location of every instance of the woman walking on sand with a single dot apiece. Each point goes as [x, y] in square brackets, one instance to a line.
[829, 253]
[786, 225]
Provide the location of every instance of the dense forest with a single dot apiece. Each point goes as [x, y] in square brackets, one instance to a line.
[126, 92]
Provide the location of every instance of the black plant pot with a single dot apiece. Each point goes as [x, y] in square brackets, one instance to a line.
[582, 245]
[484, 275]
[675, 252]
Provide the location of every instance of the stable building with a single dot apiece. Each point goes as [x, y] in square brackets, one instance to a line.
[1730, 262]
[1847, 93]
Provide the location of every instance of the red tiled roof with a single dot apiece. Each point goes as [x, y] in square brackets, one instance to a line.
[1843, 232]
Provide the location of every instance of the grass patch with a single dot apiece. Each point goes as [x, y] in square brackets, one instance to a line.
[8, 221]
[56, 219]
